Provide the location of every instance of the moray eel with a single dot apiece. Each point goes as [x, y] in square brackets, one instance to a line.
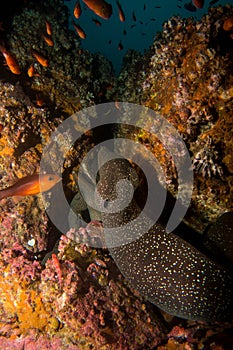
[165, 269]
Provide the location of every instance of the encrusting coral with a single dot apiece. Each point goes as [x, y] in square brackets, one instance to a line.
[187, 78]
[71, 296]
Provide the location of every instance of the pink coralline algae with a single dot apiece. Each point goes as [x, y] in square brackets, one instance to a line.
[90, 298]
[31, 343]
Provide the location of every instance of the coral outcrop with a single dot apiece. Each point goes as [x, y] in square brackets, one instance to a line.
[66, 295]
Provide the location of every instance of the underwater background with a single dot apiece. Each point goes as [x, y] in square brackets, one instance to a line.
[136, 33]
[174, 57]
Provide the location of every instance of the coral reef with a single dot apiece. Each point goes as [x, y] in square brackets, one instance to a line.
[78, 298]
[92, 301]
[69, 80]
[187, 78]
[74, 297]
[26, 129]
[75, 291]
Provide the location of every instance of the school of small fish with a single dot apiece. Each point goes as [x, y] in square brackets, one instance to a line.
[102, 9]
[11, 60]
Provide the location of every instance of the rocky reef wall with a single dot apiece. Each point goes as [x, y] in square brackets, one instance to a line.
[71, 296]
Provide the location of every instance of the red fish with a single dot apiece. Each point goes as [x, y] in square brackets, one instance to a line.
[228, 24]
[100, 7]
[198, 3]
[77, 10]
[30, 185]
[40, 58]
[79, 31]
[48, 27]
[31, 71]
[117, 105]
[10, 61]
[120, 12]
[48, 40]
[120, 46]
[97, 22]
[39, 100]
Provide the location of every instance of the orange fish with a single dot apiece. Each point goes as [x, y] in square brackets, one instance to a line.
[40, 58]
[97, 22]
[77, 10]
[31, 71]
[120, 46]
[228, 24]
[120, 12]
[30, 185]
[198, 3]
[79, 31]
[117, 105]
[100, 7]
[10, 61]
[48, 39]
[39, 100]
[48, 27]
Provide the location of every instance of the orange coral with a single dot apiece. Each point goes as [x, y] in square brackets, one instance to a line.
[25, 304]
[4, 148]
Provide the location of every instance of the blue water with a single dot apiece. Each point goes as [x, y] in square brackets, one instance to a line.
[140, 37]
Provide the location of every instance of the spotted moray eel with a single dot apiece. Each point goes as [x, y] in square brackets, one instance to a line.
[165, 269]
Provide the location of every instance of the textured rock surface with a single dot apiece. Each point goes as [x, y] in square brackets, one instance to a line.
[78, 299]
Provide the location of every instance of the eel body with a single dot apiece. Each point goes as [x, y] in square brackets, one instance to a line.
[164, 268]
